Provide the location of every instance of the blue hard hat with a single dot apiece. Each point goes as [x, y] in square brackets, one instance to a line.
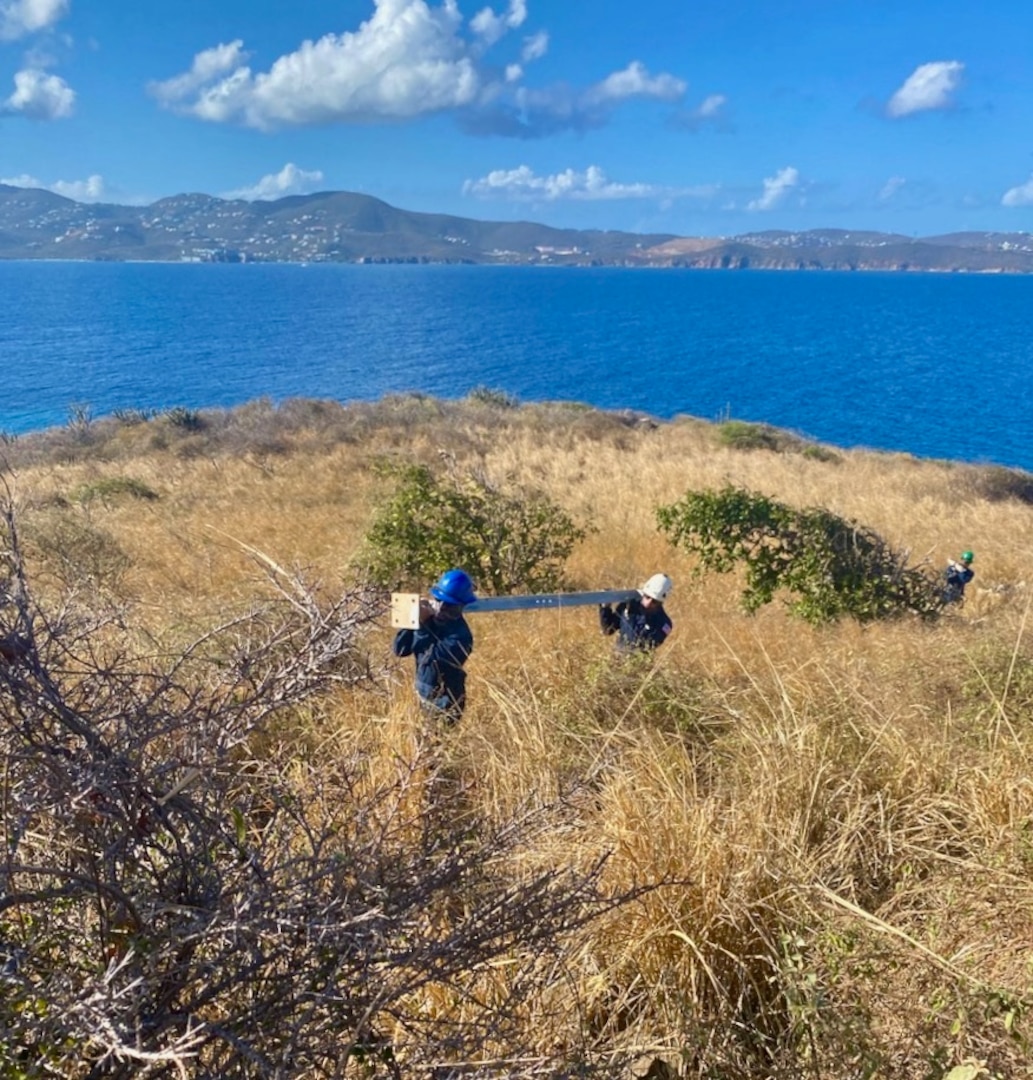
[454, 587]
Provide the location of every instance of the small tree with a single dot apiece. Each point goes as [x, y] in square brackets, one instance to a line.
[508, 542]
[831, 566]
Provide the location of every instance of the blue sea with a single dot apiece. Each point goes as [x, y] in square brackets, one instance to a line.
[935, 365]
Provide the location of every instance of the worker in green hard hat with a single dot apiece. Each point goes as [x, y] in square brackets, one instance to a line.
[956, 577]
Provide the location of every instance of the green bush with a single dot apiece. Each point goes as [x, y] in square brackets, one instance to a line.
[817, 452]
[740, 435]
[497, 399]
[508, 542]
[831, 566]
[114, 487]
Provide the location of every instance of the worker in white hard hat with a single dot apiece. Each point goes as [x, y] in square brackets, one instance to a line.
[640, 623]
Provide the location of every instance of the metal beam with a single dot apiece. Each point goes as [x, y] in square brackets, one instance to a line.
[405, 607]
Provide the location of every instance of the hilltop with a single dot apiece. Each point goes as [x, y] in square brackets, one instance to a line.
[340, 226]
[824, 831]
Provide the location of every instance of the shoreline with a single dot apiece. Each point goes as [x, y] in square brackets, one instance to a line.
[198, 419]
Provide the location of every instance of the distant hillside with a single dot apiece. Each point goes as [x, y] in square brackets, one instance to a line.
[341, 226]
[840, 249]
[327, 227]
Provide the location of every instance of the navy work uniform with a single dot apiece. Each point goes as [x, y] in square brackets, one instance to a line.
[639, 627]
[441, 645]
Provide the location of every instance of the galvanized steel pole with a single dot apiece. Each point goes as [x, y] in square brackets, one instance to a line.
[405, 607]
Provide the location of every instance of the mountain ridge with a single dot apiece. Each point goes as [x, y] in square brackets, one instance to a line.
[342, 226]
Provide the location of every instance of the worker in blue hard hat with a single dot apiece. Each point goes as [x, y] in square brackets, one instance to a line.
[441, 645]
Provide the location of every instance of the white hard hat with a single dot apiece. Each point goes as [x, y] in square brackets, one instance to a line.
[657, 587]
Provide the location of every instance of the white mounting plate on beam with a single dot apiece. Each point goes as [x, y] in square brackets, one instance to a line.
[405, 610]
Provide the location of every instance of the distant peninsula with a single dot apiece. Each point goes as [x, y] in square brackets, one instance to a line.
[347, 227]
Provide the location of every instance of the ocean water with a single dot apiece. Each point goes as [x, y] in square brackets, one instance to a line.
[933, 365]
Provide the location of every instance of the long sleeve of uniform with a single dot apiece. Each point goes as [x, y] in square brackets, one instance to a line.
[956, 576]
[959, 574]
[441, 648]
[404, 643]
[609, 620]
[639, 627]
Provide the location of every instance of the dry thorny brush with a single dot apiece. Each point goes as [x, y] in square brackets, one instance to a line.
[175, 903]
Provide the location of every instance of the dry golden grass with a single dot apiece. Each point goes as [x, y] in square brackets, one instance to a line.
[844, 815]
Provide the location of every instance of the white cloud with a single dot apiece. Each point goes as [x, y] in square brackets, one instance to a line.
[491, 27]
[634, 81]
[89, 190]
[712, 111]
[409, 59]
[39, 96]
[535, 113]
[522, 184]
[535, 47]
[405, 60]
[207, 65]
[21, 17]
[711, 107]
[290, 180]
[891, 187]
[24, 181]
[1019, 196]
[776, 188]
[929, 86]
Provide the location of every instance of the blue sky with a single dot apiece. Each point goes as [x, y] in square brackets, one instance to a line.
[695, 117]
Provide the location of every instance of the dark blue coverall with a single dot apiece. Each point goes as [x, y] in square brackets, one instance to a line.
[440, 647]
[639, 627]
[956, 576]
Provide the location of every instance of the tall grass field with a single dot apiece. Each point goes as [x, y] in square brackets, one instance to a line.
[818, 840]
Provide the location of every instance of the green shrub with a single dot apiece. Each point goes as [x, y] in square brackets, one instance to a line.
[740, 435]
[114, 487]
[816, 452]
[508, 542]
[831, 566]
[497, 399]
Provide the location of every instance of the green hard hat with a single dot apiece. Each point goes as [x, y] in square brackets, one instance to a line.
[967, 556]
